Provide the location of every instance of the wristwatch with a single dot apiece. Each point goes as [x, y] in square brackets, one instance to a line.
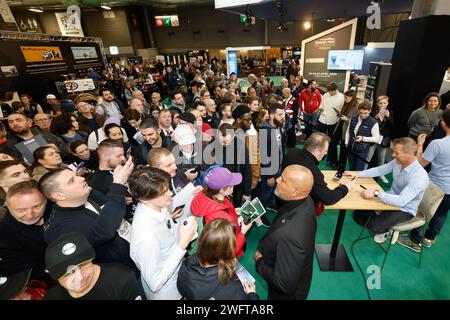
[376, 193]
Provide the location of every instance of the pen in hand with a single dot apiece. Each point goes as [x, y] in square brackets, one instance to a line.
[363, 187]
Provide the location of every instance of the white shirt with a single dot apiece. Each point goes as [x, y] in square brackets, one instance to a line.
[375, 132]
[328, 115]
[154, 248]
[93, 141]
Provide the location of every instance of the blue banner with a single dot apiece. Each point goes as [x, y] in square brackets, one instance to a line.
[232, 62]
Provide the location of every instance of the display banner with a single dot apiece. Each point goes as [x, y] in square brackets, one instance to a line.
[232, 65]
[41, 54]
[69, 24]
[34, 66]
[7, 21]
[314, 62]
[83, 53]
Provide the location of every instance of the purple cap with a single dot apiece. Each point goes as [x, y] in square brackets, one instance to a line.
[221, 177]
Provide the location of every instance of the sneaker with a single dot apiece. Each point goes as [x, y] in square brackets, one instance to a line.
[428, 243]
[408, 243]
[380, 238]
[298, 133]
[384, 180]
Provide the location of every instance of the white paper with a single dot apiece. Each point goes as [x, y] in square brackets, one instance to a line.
[183, 197]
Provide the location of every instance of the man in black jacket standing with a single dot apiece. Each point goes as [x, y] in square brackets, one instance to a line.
[78, 208]
[22, 244]
[285, 253]
[315, 149]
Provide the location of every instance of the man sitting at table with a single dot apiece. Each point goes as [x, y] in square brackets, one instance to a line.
[316, 147]
[410, 180]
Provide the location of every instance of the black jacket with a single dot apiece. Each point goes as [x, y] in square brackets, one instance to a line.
[287, 251]
[268, 141]
[320, 191]
[236, 160]
[22, 247]
[198, 283]
[142, 150]
[99, 229]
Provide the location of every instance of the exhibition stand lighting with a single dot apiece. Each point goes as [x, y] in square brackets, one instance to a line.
[36, 10]
[307, 25]
[105, 7]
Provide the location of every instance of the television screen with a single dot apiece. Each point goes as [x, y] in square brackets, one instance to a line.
[345, 59]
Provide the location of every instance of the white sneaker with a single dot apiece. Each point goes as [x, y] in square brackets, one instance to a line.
[380, 238]
[384, 180]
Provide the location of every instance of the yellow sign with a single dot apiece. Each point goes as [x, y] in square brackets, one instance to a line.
[41, 54]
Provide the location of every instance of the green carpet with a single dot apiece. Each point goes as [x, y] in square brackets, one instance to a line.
[400, 279]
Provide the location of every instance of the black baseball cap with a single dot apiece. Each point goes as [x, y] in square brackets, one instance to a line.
[188, 117]
[11, 285]
[69, 250]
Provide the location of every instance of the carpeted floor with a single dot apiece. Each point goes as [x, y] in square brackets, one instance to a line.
[400, 279]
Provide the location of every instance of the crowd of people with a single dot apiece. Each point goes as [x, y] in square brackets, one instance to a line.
[87, 184]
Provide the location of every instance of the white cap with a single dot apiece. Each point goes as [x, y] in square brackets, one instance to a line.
[51, 96]
[183, 135]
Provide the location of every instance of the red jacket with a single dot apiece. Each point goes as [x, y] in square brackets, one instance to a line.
[202, 206]
[309, 101]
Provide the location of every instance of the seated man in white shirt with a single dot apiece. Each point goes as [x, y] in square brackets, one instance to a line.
[158, 245]
[410, 180]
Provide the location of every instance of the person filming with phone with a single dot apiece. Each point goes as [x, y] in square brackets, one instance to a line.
[157, 244]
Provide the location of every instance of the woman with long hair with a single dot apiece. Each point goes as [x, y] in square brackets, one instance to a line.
[67, 127]
[424, 119]
[349, 110]
[29, 106]
[46, 159]
[211, 272]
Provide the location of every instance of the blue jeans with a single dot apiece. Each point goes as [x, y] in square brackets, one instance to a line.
[356, 160]
[436, 223]
[267, 197]
[310, 121]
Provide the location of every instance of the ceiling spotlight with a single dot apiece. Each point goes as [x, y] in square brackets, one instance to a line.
[282, 27]
[105, 7]
[36, 10]
[307, 25]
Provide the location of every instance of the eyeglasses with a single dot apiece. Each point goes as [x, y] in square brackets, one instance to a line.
[247, 118]
[42, 120]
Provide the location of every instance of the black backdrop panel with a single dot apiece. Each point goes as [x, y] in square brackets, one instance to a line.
[33, 67]
[421, 56]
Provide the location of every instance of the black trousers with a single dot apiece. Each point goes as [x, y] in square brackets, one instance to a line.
[328, 129]
[380, 223]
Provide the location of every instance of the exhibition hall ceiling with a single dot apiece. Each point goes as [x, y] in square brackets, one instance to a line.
[275, 10]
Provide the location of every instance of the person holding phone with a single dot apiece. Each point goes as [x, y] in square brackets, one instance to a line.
[330, 110]
[157, 244]
[210, 274]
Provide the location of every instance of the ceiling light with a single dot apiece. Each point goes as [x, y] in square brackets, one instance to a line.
[105, 7]
[307, 25]
[36, 10]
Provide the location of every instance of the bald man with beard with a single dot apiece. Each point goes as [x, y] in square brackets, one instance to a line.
[285, 254]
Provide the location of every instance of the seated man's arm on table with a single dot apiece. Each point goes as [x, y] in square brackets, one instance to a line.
[377, 171]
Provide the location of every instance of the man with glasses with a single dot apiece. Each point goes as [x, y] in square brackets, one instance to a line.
[69, 260]
[43, 121]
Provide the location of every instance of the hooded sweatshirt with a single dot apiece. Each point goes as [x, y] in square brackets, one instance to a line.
[198, 283]
[202, 206]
